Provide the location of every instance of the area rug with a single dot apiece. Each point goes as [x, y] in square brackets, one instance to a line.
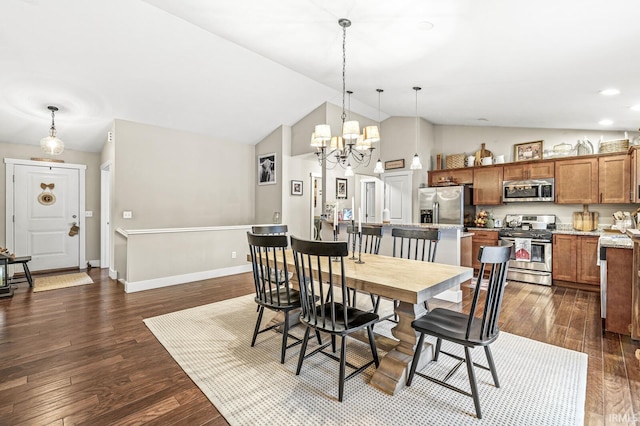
[541, 384]
[55, 282]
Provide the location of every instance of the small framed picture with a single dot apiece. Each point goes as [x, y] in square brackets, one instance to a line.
[341, 189]
[394, 164]
[527, 151]
[296, 187]
[267, 169]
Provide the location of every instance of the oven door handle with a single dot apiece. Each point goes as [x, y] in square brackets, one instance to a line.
[532, 240]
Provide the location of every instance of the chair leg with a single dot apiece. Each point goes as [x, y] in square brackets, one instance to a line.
[374, 304]
[395, 306]
[318, 337]
[285, 334]
[416, 358]
[303, 349]
[255, 331]
[333, 343]
[343, 362]
[472, 381]
[437, 352]
[492, 366]
[372, 343]
[27, 273]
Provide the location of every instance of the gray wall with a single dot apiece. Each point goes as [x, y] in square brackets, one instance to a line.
[169, 178]
[92, 201]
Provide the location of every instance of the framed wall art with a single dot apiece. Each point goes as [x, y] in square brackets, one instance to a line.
[267, 169]
[296, 187]
[527, 151]
[341, 189]
[394, 164]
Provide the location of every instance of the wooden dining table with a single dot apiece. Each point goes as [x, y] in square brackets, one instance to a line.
[411, 283]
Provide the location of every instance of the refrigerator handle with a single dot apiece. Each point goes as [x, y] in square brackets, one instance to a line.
[436, 212]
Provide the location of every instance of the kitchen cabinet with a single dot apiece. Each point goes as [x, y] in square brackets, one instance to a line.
[458, 176]
[574, 259]
[481, 238]
[536, 170]
[576, 181]
[613, 179]
[487, 185]
[634, 168]
[619, 290]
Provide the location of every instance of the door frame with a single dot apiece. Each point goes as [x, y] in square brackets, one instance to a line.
[11, 163]
[312, 177]
[408, 176]
[105, 215]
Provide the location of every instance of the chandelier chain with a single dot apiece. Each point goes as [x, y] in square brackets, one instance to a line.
[344, 69]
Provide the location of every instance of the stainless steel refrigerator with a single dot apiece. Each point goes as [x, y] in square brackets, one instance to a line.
[451, 205]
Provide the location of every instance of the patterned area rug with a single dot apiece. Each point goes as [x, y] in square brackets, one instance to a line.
[541, 384]
[55, 282]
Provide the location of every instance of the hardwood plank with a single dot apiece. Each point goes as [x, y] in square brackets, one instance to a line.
[83, 355]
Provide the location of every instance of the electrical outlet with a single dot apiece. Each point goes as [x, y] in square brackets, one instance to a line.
[233, 254]
[127, 215]
[88, 213]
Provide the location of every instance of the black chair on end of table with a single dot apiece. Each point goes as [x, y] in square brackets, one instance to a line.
[272, 287]
[415, 244]
[321, 278]
[468, 330]
[371, 238]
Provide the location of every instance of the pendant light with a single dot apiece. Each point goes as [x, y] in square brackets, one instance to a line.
[416, 164]
[378, 169]
[51, 144]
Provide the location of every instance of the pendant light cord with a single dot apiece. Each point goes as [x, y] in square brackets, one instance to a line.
[344, 25]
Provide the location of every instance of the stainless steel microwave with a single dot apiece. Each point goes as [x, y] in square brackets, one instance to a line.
[528, 190]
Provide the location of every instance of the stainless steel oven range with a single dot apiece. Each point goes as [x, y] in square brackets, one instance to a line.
[531, 240]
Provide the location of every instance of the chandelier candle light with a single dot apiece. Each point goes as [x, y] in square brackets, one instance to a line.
[351, 147]
[51, 144]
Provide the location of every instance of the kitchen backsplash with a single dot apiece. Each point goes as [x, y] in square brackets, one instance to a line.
[563, 212]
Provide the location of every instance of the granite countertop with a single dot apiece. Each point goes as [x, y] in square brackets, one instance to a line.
[613, 240]
[405, 225]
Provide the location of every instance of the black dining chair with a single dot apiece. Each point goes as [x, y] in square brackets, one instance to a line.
[469, 330]
[415, 244]
[272, 287]
[371, 238]
[322, 278]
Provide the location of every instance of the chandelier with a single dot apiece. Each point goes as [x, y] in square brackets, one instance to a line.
[51, 144]
[351, 146]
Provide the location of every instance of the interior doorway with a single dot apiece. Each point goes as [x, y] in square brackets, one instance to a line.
[398, 189]
[315, 205]
[371, 199]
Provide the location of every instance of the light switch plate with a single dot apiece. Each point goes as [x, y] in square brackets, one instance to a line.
[127, 215]
[88, 213]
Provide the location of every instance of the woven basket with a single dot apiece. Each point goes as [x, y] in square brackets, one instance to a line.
[620, 145]
[455, 161]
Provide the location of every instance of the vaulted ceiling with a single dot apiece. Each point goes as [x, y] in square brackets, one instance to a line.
[236, 70]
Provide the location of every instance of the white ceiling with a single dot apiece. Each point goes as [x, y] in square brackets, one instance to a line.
[238, 69]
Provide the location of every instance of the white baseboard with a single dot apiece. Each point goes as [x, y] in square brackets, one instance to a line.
[451, 295]
[113, 274]
[131, 287]
[94, 263]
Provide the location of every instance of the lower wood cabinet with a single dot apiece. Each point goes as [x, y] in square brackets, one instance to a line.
[619, 290]
[574, 259]
[481, 238]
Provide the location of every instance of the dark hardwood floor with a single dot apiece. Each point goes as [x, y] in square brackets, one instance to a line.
[83, 355]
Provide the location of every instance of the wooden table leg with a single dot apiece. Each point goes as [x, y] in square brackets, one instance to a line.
[391, 375]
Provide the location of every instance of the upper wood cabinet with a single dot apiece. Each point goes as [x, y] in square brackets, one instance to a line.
[576, 181]
[613, 177]
[459, 176]
[487, 185]
[634, 168]
[538, 170]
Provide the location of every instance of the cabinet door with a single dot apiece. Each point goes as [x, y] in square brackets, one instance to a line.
[481, 238]
[634, 167]
[487, 186]
[459, 176]
[613, 177]
[514, 172]
[586, 269]
[564, 257]
[577, 181]
[541, 170]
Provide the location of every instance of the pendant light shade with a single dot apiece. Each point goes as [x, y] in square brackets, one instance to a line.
[51, 144]
[379, 169]
[416, 164]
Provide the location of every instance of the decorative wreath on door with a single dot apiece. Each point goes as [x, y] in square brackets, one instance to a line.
[46, 197]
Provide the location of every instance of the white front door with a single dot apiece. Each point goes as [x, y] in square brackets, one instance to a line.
[398, 196]
[46, 207]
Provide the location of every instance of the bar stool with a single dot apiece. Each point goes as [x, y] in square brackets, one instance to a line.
[22, 260]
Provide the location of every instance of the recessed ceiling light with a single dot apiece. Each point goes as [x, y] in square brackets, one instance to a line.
[605, 122]
[425, 25]
[636, 107]
[610, 92]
